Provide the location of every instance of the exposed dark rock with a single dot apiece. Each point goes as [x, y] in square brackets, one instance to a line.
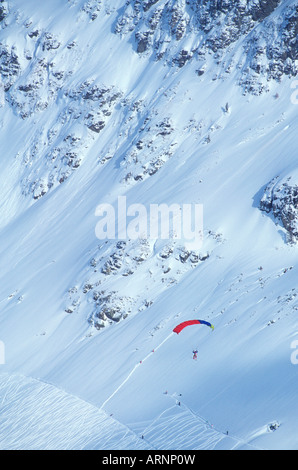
[263, 8]
[9, 66]
[147, 4]
[159, 29]
[182, 59]
[50, 42]
[281, 199]
[92, 8]
[3, 10]
[97, 127]
[34, 34]
[143, 41]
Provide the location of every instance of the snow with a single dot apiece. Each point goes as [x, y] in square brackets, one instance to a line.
[66, 385]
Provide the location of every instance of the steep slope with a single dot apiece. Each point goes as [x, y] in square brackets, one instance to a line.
[92, 109]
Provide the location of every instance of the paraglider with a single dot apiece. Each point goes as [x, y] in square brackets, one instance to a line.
[184, 324]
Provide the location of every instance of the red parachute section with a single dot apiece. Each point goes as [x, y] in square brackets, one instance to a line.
[180, 327]
[184, 324]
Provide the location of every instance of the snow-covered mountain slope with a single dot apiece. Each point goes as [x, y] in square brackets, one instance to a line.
[92, 108]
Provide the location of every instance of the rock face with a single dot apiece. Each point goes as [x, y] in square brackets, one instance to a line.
[9, 66]
[3, 10]
[263, 8]
[180, 31]
[281, 199]
[73, 114]
[113, 266]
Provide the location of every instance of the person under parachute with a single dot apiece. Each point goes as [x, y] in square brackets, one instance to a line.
[184, 324]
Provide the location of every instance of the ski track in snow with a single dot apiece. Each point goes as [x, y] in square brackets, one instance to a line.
[42, 416]
[134, 369]
[178, 427]
[211, 428]
[182, 429]
[90, 427]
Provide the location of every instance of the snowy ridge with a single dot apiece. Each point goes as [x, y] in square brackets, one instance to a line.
[177, 427]
[28, 406]
[87, 426]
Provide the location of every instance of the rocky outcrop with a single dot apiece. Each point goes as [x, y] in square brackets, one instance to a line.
[159, 29]
[3, 10]
[263, 8]
[114, 266]
[75, 116]
[89, 105]
[281, 200]
[9, 66]
[177, 32]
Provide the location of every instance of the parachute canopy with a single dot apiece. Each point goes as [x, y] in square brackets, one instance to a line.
[184, 324]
